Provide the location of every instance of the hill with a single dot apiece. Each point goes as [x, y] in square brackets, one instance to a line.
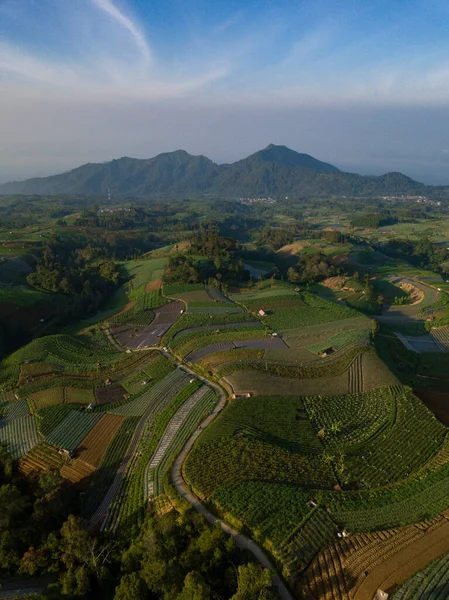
[276, 170]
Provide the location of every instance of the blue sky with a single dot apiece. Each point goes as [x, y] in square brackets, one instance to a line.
[363, 84]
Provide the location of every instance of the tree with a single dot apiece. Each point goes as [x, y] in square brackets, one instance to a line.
[195, 588]
[254, 583]
[131, 587]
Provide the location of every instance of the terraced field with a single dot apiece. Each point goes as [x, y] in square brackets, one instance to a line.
[140, 337]
[176, 434]
[73, 429]
[19, 435]
[93, 446]
[40, 458]
[268, 343]
[432, 583]
[359, 565]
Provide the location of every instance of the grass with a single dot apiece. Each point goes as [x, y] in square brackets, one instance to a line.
[23, 296]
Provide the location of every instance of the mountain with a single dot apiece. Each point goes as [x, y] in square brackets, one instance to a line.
[275, 171]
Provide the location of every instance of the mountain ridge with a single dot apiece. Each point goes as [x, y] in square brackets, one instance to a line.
[275, 170]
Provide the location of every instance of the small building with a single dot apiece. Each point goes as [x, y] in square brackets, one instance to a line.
[108, 381]
[262, 313]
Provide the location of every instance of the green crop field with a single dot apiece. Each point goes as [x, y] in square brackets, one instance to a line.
[258, 438]
[86, 352]
[291, 310]
[142, 271]
[288, 346]
[385, 435]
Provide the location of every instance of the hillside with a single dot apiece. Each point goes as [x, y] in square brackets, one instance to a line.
[276, 170]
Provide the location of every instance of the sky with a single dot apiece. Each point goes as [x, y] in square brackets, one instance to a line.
[363, 84]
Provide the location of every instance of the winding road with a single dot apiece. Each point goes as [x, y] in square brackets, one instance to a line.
[178, 481]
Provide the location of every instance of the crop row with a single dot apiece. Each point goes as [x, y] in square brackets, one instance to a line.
[16, 410]
[41, 457]
[75, 426]
[247, 456]
[190, 320]
[158, 368]
[418, 498]
[342, 339]
[400, 450]
[351, 420]
[286, 312]
[19, 435]
[127, 507]
[330, 368]
[160, 392]
[193, 342]
[109, 465]
[300, 547]
[178, 431]
[432, 583]
[51, 416]
[94, 445]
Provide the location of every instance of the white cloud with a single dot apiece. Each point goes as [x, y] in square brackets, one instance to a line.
[109, 8]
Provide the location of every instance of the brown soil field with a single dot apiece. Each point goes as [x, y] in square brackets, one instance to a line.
[181, 247]
[357, 566]
[153, 285]
[94, 445]
[437, 402]
[339, 259]
[107, 395]
[333, 283]
[293, 248]
[79, 473]
[416, 295]
[42, 457]
[391, 573]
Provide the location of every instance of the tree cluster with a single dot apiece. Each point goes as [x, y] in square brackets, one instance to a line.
[311, 268]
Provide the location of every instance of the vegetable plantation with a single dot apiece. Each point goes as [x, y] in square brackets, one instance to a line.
[72, 429]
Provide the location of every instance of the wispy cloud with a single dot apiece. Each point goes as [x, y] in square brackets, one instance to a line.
[109, 8]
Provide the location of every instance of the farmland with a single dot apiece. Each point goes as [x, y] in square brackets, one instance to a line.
[431, 582]
[324, 390]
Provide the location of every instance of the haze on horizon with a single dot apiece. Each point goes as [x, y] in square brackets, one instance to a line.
[364, 85]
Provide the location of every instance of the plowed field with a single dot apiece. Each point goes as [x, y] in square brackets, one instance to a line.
[94, 445]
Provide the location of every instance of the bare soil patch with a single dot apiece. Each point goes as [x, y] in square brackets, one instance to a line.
[334, 283]
[125, 308]
[416, 295]
[95, 443]
[391, 573]
[181, 247]
[110, 394]
[340, 259]
[153, 285]
[293, 248]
